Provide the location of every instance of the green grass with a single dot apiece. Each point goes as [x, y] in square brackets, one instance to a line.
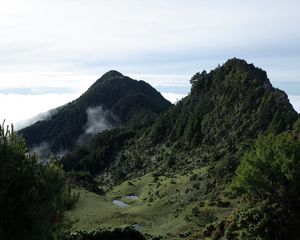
[164, 206]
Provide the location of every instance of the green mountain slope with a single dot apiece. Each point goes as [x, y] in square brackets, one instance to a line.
[114, 100]
[221, 117]
[233, 101]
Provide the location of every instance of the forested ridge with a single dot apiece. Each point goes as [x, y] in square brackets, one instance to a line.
[123, 102]
[222, 116]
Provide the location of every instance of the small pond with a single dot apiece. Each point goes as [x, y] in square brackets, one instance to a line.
[120, 203]
[132, 197]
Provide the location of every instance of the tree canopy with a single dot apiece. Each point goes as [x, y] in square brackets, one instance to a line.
[271, 169]
[269, 179]
[33, 195]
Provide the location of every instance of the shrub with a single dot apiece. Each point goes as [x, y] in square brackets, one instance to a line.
[33, 195]
[269, 179]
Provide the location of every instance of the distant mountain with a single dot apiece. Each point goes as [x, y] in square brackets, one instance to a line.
[112, 101]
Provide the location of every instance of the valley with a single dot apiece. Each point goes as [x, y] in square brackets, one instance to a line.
[166, 207]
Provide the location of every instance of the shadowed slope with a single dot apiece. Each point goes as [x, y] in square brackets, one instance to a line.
[123, 101]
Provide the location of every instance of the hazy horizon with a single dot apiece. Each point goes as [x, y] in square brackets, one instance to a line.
[52, 51]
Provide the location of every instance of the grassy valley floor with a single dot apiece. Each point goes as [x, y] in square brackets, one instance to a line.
[169, 207]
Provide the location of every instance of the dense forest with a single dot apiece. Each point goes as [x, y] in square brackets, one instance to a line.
[222, 163]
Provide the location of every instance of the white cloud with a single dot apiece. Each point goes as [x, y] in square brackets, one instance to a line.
[42, 150]
[39, 117]
[295, 101]
[15, 108]
[59, 35]
[163, 79]
[173, 97]
[74, 80]
[99, 120]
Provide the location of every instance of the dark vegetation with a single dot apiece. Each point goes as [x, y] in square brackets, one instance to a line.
[268, 180]
[84, 180]
[33, 196]
[98, 153]
[133, 103]
[213, 126]
[231, 103]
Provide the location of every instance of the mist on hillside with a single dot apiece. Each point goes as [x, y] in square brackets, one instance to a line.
[98, 120]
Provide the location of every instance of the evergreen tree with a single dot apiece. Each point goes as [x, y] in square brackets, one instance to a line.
[33, 196]
[269, 179]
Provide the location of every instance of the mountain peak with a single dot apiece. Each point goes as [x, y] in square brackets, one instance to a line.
[236, 61]
[243, 66]
[234, 74]
[118, 100]
[232, 102]
[111, 74]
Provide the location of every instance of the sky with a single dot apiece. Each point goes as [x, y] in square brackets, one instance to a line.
[51, 51]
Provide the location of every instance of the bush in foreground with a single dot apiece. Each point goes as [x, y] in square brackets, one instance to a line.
[33, 195]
